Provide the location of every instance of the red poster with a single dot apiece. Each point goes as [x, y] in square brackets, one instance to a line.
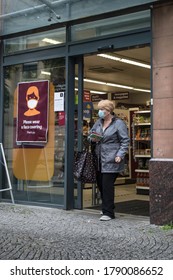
[61, 118]
[86, 96]
[32, 113]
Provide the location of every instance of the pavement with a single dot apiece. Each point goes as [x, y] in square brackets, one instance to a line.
[40, 233]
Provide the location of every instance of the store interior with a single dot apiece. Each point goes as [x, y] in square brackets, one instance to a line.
[124, 77]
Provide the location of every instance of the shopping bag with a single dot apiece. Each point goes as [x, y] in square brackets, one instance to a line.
[79, 163]
[89, 169]
[85, 167]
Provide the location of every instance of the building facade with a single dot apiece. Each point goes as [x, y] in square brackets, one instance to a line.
[45, 48]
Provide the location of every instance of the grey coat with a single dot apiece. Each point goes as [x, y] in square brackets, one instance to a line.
[114, 143]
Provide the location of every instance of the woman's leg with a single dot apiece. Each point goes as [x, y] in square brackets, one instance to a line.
[108, 180]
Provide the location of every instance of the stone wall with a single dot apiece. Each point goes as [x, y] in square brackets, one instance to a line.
[161, 166]
[161, 191]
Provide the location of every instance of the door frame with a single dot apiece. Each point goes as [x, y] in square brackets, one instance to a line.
[76, 57]
[69, 185]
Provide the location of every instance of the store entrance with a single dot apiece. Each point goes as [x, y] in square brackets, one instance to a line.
[124, 78]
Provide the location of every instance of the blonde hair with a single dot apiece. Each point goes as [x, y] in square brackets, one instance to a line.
[106, 104]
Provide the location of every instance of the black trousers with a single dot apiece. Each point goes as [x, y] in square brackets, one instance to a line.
[105, 183]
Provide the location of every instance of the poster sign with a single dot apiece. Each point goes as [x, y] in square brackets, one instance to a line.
[120, 95]
[87, 109]
[86, 96]
[98, 97]
[59, 101]
[32, 112]
[61, 118]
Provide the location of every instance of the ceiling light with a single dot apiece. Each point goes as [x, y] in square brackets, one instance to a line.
[94, 91]
[124, 60]
[117, 85]
[140, 89]
[45, 73]
[97, 91]
[114, 85]
[51, 41]
[109, 56]
[94, 81]
[136, 63]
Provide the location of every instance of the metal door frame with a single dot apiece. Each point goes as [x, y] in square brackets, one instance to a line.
[76, 56]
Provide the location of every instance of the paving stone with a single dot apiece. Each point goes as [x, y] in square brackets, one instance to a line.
[40, 233]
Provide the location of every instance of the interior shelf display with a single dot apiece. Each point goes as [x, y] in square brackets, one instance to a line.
[142, 149]
[124, 115]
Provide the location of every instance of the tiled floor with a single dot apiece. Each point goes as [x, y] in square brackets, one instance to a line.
[122, 193]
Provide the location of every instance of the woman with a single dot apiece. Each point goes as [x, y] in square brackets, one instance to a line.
[110, 150]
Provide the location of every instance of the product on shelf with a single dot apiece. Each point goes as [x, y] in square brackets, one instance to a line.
[142, 148]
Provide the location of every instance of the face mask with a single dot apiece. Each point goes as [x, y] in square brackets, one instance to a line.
[32, 103]
[101, 114]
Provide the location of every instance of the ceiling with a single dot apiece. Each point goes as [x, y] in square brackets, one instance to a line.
[110, 71]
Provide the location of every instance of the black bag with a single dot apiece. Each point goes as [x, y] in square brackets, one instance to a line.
[85, 167]
[79, 163]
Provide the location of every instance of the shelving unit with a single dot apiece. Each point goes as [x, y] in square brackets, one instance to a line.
[126, 174]
[127, 116]
[142, 149]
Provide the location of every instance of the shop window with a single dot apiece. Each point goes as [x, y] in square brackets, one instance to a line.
[44, 39]
[109, 26]
[36, 167]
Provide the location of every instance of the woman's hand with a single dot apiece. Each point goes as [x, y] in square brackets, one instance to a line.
[118, 159]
